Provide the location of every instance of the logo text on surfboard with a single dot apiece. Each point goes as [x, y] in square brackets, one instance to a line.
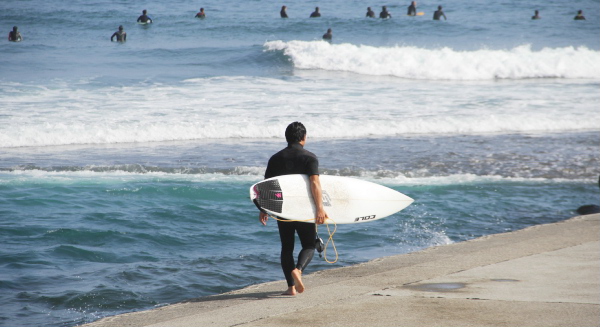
[365, 218]
[326, 199]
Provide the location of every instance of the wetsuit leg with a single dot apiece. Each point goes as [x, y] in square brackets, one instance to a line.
[286, 234]
[307, 233]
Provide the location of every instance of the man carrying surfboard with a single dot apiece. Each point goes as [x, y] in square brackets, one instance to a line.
[294, 159]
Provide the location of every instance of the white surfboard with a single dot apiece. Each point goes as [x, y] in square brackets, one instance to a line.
[346, 200]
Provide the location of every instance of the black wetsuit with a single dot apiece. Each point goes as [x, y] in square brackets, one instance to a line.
[371, 14]
[283, 13]
[315, 14]
[385, 14]
[294, 160]
[438, 14]
[412, 10]
[144, 19]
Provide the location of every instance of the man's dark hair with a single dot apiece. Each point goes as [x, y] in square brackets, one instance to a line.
[295, 132]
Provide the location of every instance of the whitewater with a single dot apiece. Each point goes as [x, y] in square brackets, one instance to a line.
[369, 107]
[443, 64]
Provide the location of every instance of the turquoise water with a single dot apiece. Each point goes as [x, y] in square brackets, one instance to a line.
[125, 168]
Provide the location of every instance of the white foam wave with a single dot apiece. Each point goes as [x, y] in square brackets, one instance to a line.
[466, 179]
[37, 115]
[114, 177]
[249, 175]
[442, 64]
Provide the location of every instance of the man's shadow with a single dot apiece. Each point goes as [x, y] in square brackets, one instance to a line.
[239, 296]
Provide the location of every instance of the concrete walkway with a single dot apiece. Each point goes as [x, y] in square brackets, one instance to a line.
[546, 275]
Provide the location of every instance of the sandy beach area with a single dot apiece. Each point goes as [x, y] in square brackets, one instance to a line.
[545, 275]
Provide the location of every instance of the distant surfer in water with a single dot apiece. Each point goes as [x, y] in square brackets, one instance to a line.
[328, 36]
[144, 18]
[537, 15]
[201, 14]
[294, 159]
[579, 15]
[315, 13]
[120, 35]
[384, 13]
[283, 12]
[438, 14]
[370, 13]
[14, 35]
[412, 9]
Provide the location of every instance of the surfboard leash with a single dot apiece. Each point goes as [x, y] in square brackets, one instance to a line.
[329, 239]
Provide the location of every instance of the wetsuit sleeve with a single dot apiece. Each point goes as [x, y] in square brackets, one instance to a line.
[312, 167]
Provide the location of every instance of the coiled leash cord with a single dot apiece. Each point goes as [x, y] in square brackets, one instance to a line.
[318, 241]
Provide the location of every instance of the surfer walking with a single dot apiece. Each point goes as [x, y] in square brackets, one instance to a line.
[294, 159]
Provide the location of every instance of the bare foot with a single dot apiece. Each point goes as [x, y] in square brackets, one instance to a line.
[290, 291]
[297, 275]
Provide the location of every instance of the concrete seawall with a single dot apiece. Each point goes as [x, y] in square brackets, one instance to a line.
[545, 275]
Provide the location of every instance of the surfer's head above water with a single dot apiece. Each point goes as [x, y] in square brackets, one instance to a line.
[295, 132]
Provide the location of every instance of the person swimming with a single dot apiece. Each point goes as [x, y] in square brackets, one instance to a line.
[328, 36]
[283, 13]
[438, 14]
[14, 35]
[385, 13]
[579, 16]
[537, 15]
[370, 13]
[316, 13]
[412, 9]
[144, 18]
[201, 14]
[120, 35]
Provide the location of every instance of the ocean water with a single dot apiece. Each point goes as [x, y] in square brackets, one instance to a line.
[125, 168]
